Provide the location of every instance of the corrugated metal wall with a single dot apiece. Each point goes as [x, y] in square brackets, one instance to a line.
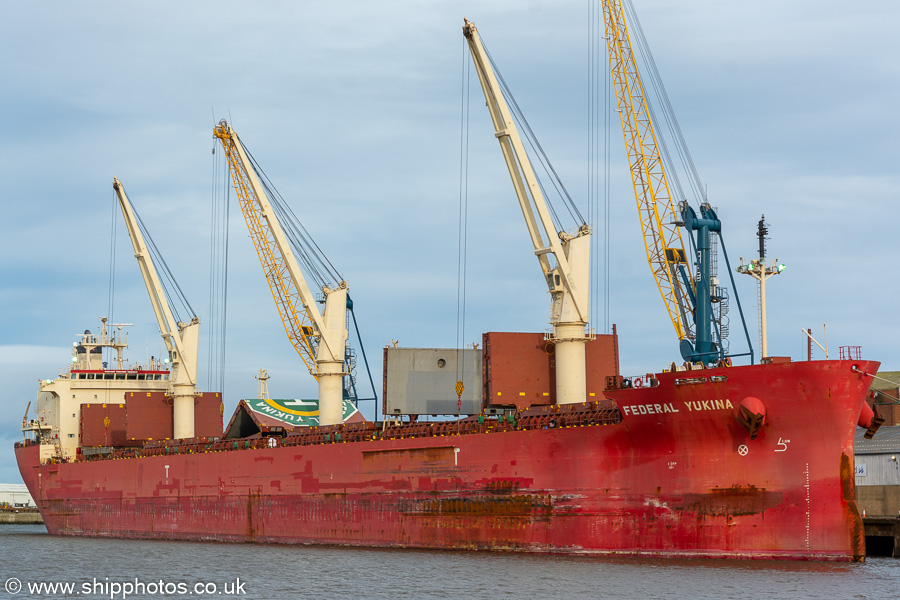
[15, 494]
[877, 469]
[421, 381]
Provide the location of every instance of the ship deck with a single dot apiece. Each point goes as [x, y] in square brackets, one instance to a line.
[603, 412]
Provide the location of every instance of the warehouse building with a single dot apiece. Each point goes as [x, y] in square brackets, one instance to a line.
[878, 489]
[15, 495]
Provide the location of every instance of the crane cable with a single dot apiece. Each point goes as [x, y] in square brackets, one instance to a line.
[463, 221]
[308, 251]
[607, 166]
[171, 289]
[218, 274]
[668, 113]
[598, 149]
[170, 286]
[538, 152]
[111, 293]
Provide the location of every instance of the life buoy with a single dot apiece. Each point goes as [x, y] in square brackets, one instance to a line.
[638, 382]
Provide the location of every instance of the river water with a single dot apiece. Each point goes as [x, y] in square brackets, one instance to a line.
[116, 569]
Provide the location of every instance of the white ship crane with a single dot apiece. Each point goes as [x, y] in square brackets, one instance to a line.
[181, 338]
[319, 337]
[569, 279]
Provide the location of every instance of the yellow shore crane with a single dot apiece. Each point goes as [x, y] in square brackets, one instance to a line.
[689, 296]
[319, 338]
[662, 238]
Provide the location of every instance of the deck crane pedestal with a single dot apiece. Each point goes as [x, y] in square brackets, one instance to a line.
[568, 280]
[181, 338]
[704, 347]
[319, 338]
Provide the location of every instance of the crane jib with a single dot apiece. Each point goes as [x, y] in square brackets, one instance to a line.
[695, 301]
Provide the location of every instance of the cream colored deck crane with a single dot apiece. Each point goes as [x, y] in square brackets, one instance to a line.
[181, 338]
[569, 279]
[319, 338]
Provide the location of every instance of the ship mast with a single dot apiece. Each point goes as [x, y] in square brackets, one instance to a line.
[88, 352]
[758, 270]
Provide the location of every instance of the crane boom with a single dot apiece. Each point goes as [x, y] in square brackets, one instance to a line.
[690, 298]
[298, 323]
[181, 338]
[659, 223]
[568, 280]
[320, 339]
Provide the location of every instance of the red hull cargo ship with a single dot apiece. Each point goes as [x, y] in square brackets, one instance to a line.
[744, 462]
[558, 451]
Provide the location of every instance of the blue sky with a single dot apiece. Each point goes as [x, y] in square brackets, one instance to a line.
[353, 110]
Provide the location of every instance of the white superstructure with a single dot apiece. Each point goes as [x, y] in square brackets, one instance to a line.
[88, 380]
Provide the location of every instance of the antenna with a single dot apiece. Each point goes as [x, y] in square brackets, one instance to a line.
[761, 233]
[757, 269]
[262, 377]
